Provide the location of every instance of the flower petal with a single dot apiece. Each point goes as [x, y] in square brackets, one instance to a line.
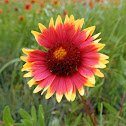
[95, 36]
[42, 27]
[46, 82]
[27, 51]
[81, 91]
[69, 88]
[59, 97]
[58, 21]
[99, 73]
[41, 39]
[73, 95]
[37, 89]
[78, 24]
[31, 82]
[53, 87]
[49, 93]
[40, 75]
[24, 58]
[91, 79]
[96, 41]
[29, 74]
[90, 29]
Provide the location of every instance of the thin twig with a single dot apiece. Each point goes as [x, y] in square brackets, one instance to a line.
[85, 105]
[123, 97]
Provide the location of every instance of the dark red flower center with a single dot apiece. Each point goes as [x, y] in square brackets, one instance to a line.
[63, 58]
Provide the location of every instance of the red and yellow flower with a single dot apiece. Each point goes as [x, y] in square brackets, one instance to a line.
[28, 7]
[70, 61]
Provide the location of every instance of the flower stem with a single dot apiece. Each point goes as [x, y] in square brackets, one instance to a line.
[123, 97]
[85, 105]
[92, 110]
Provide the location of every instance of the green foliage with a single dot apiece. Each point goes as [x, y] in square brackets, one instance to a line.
[41, 116]
[34, 116]
[110, 108]
[8, 120]
[27, 120]
[24, 114]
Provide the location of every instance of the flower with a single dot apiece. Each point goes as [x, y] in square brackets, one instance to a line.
[41, 4]
[28, 7]
[6, 1]
[55, 2]
[70, 61]
[0, 11]
[116, 2]
[21, 18]
[33, 1]
[15, 9]
[91, 5]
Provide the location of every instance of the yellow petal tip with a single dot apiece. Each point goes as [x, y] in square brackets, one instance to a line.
[31, 82]
[24, 58]
[41, 27]
[81, 91]
[37, 89]
[92, 79]
[59, 97]
[29, 74]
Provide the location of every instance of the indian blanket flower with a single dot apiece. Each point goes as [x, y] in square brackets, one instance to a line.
[28, 7]
[70, 61]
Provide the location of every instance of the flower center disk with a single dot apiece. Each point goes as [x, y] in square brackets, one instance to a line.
[60, 53]
[63, 58]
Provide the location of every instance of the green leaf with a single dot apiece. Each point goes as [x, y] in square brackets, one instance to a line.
[27, 122]
[86, 122]
[34, 116]
[18, 124]
[8, 120]
[110, 108]
[41, 120]
[8, 63]
[101, 110]
[78, 120]
[24, 114]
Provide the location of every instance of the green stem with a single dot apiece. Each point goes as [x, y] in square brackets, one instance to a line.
[9, 63]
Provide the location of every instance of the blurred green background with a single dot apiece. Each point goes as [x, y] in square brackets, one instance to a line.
[16, 23]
